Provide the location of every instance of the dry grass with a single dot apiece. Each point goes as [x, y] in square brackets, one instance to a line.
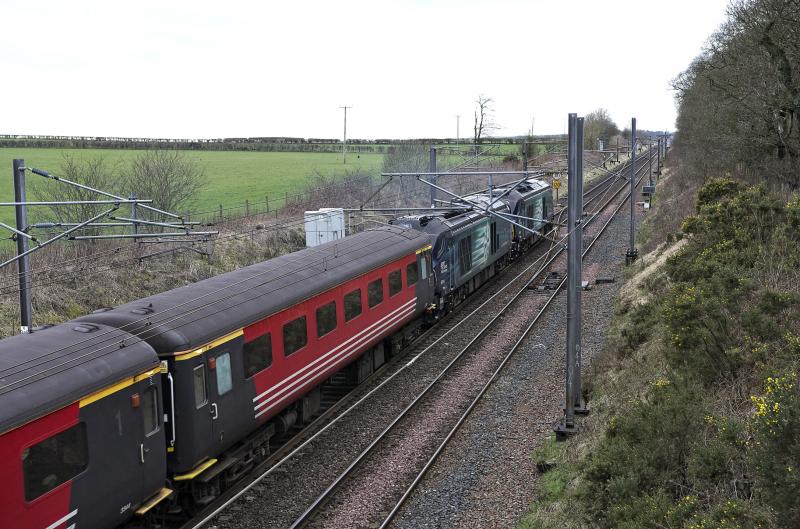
[73, 278]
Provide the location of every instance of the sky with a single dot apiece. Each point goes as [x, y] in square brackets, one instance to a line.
[211, 69]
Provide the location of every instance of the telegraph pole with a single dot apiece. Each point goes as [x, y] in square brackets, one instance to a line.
[344, 145]
[23, 263]
[632, 253]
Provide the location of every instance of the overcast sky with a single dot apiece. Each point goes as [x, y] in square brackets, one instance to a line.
[207, 69]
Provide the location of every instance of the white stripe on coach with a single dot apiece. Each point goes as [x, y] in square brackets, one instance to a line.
[323, 357]
[62, 520]
[347, 352]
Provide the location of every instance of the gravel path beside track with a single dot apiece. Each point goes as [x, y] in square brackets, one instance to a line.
[486, 476]
[283, 495]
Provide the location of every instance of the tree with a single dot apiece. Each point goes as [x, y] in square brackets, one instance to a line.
[739, 101]
[169, 178]
[94, 172]
[484, 118]
[408, 158]
[598, 125]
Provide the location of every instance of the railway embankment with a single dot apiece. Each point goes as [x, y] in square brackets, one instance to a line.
[695, 399]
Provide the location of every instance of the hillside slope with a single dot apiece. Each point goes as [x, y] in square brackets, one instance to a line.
[696, 403]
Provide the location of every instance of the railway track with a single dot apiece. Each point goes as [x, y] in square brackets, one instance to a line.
[411, 432]
[503, 295]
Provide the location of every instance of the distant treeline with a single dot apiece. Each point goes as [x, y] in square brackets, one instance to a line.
[267, 144]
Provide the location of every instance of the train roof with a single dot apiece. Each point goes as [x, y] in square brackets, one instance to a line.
[188, 317]
[531, 185]
[438, 221]
[51, 368]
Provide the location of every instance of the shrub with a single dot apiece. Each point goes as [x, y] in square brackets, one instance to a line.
[775, 450]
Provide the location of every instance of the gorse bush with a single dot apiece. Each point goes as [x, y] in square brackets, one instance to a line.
[714, 439]
[775, 446]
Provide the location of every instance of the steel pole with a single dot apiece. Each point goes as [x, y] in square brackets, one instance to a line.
[567, 425]
[658, 164]
[133, 214]
[630, 256]
[525, 151]
[434, 177]
[576, 263]
[650, 163]
[23, 261]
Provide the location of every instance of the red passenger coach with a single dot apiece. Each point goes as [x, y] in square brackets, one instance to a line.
[333, 344]
[247, 351]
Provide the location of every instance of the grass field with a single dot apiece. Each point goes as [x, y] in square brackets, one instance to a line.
[233, 176]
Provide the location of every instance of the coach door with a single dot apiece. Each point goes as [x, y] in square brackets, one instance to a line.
[222, 395]
[204, 411]
[151, 445]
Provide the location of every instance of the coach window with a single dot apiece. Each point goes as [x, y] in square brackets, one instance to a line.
[54, 461]
[412, 274]
[352, 304]
[200, 397]
[257, 355]
[150, 411]
[295, 336]
[326, 319]
[375, 292]
[395, 282]
[224, 378]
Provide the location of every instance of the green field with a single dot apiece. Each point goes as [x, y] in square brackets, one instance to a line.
[233, 176]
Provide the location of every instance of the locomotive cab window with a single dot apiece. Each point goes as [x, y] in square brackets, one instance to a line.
[200, 396]
[295, 336]
[54, 461]
[465, 254]
[412, 274]
[375, 292]
[538, 212]
[352, 304]
[425, 263]
[150, 411]
[257, 355]
[224, 377]
[326, 319]
[395, 282]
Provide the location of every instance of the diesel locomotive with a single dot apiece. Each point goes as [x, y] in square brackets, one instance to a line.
[155, 407]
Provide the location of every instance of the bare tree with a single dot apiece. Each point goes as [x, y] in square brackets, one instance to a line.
[598, 125]
[484, 118]
[739, 101]
[94, 172]
[169, 178]
[408, 158]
